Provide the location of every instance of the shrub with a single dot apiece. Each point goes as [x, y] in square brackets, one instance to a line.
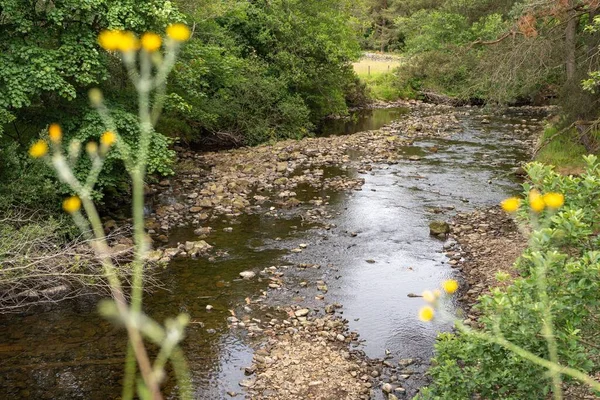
[559, 286]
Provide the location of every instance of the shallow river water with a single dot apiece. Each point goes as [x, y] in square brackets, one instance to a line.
[68, 351]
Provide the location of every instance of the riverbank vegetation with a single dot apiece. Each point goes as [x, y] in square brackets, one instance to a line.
[536, 336]
[252, 72]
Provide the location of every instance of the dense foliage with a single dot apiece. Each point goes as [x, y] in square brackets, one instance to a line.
[498, 51]
[49, 58]
[260, 70]
[253, 71]
[566, 242]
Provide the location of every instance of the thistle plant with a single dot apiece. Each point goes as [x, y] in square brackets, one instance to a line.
[149, 60]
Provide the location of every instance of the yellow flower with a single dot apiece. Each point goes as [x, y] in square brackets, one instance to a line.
[511, 205]
[108, 138]
[426, 313]
[151, 42]
[450, 286]
[437, 293]
[554, 200]
[55, 133]
[128, 42]
[72, 204]
[110, 39]
[536, 202]
[429, 296]
[91, 148]
[178, 32]
[113, 40]
[38, 149]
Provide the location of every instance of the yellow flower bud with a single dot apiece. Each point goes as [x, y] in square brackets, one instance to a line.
[429, 296]
[178, 32]
[91, 148]
[511, 205]
[450, 286]
[108, 138]
[536, 202]
[72, 204]
[55, 133]
[554, 200]
[426, 313]
[38, 149]
[151, 42]
[96, 97]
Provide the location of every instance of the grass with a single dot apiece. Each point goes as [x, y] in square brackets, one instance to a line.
[387, 87]
[367, 67]
[382, 83]
[563, 151]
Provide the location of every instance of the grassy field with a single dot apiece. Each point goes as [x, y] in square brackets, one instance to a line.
[376, 67]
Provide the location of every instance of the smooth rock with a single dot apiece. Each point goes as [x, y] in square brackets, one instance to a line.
[247, 274]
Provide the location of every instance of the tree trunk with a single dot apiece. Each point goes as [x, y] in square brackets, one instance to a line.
[571, 45]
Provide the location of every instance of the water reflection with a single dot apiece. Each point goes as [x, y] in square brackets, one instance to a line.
[362, 120]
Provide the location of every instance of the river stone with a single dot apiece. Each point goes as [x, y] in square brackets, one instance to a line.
[195, 248]
[405, 362]
[205, 230]
[247, 383]
[302, 312]
[154, 256]
[282, 166]
[387, 388]
[439, 228]
[247, 274]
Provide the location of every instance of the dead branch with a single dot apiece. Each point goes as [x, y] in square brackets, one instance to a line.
[37, 268]
[479, 41]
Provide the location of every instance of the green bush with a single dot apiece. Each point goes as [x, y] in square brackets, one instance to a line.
[389, 87]
[25, 184]
[259, 71]
[566, 243]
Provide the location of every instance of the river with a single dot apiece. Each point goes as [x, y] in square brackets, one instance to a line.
[379, 252]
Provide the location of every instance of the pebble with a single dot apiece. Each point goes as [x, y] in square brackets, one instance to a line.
[302, 312]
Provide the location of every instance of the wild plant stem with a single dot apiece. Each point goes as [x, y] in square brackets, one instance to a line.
[548, 327]
[551, 366]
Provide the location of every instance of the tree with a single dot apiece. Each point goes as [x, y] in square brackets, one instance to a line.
[48, 50]
[264, 70]
[49, 58]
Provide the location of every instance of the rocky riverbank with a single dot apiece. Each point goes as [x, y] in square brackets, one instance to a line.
[485, 242]
[304, 349]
